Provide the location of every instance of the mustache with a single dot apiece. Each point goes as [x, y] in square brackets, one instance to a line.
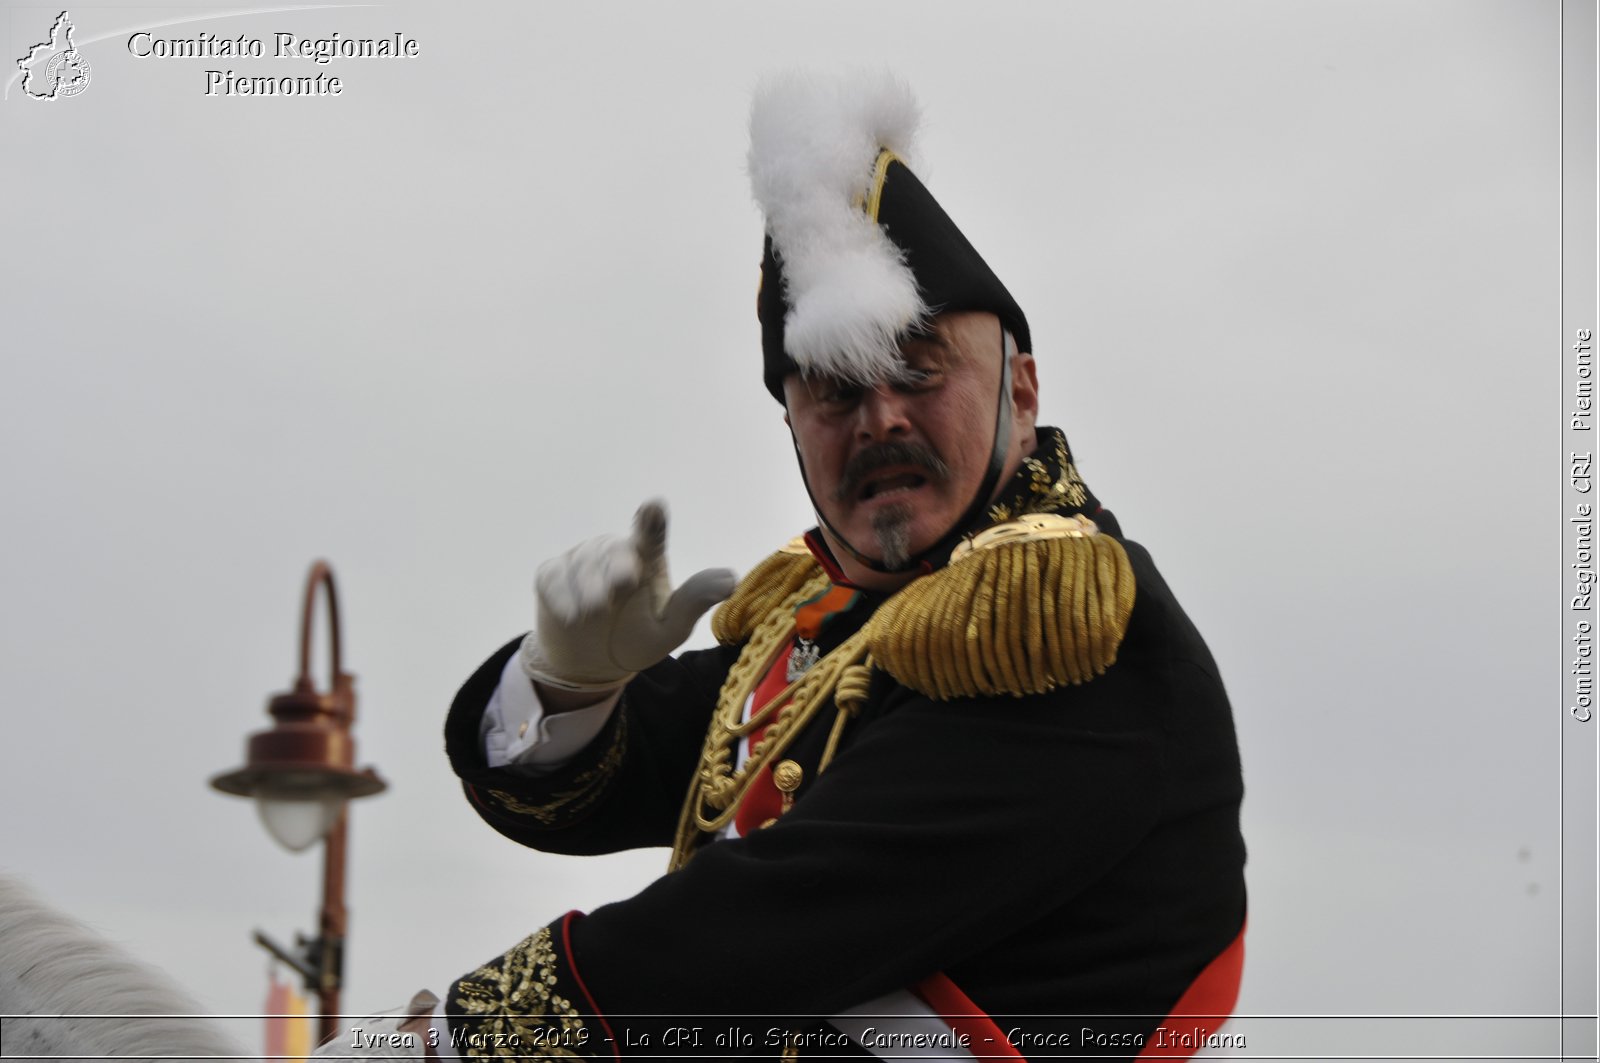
[883, 456]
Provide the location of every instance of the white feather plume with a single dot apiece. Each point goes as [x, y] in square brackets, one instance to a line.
[813, 144]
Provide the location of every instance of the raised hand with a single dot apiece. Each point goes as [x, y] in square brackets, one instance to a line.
[607, 608]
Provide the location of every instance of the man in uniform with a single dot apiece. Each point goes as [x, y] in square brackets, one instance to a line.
[960, 780]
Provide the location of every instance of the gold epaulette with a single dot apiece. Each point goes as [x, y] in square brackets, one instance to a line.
[762, 590]
[1023, 607]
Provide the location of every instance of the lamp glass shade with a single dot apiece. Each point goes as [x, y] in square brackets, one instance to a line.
[301, 821]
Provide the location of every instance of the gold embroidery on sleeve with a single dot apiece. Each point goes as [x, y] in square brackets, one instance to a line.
[585, 790]
[513, 1009]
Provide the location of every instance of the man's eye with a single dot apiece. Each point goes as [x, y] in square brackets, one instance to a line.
[836, 392]
[916, 379]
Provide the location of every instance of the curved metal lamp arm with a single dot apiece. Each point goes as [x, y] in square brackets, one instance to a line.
[321, 575]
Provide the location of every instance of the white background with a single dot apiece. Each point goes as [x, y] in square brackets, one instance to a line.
[1291, 271]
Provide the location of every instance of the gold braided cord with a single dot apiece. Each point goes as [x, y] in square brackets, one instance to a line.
[1026, 607]
[953, 616]
[850, 695]
[1052, 614]
[945, 668]
[1015, 618]
[1000, 647]
[854, 682]
[834, 734]
[716, 789]
[1033, 630]
[766, 586]
[1080, 643]
[722, 789]
[1105, 577]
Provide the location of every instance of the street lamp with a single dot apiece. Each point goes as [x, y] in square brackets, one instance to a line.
[301, 772]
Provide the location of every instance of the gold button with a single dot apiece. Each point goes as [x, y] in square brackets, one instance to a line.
[786, 776]
[522, 732]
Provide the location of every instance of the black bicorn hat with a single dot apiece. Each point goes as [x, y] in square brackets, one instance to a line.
[858, 254]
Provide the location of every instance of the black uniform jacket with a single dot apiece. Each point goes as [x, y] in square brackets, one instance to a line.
[1070, 860]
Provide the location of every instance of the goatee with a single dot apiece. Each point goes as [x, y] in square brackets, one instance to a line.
[891, 527]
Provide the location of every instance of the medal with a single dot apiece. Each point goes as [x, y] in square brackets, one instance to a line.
[801, 658]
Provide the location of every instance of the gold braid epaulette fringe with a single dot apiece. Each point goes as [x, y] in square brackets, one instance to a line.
[1023, 607]
[763, 589]
[1028, 606]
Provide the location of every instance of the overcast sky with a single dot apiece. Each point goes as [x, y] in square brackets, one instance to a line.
[1291, 272]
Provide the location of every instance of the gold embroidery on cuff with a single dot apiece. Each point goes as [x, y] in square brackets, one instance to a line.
[584, 792]
[513, 1010]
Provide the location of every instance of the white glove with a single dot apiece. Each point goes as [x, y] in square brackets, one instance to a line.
[404, 1033]
[607, 609]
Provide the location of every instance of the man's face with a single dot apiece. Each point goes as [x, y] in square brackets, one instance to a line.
[893, 467]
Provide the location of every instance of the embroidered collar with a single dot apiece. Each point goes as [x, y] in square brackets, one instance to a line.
[1047, 482]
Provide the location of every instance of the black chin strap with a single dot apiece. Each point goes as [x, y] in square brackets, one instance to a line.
[936, 555]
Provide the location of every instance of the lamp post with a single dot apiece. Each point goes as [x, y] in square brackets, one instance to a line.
[301, 773]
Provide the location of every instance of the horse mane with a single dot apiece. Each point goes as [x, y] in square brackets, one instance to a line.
[52, 965]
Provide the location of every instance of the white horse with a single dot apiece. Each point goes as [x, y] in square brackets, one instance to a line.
[59, 982]
[54, 971]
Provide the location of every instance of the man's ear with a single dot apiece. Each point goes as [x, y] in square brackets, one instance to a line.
[1025, 388]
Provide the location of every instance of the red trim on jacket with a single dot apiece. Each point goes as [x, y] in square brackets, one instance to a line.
[1203, 1008]
[472, 793]
[983, 1037]
[572, 963]
[763, 801]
